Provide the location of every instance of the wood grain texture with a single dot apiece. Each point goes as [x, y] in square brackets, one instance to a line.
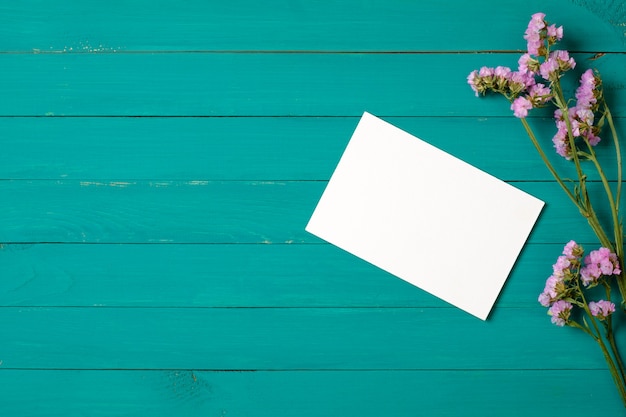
[315, 275]
[159, 161]
[308, 393]
[257, 148]
[234, 84]
[209, 212]
[289, 338]
[374, 25]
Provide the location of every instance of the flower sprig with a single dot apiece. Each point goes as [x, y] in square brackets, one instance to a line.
[537, 83]
[565, 295]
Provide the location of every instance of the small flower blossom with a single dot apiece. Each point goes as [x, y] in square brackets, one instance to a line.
[486, 72]
[528, 64]
[601, 309]
[561, 139]
[555, 33]
[502, 72]
[598, 263]
[557, 62]
[561, 266]
[520, 82]
[573, 250]
[520, 107]
[565, 61]
[502, 76]
[472, 80]
[585, 92]
[533, 33]
[553, 289]
[548, 68]
[562, 271]
[560, 312]
[539, 94]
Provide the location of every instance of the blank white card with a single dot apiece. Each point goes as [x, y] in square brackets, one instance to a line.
[424, 216]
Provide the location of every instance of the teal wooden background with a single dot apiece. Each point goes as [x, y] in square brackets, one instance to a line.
[159, 161]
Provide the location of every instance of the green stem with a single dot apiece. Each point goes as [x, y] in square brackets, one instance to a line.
[617, 230]
[618, 152]
[621, 281]
[609, 334]
[619, 382]
[617, 357]
[617, 375]
[547, 162]
[587, 212]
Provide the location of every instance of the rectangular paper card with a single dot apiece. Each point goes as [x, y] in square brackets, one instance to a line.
[425, 216]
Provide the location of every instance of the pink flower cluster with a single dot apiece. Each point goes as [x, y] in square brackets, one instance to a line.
[581, 116]
[601, 309]
[557, 62]
[537, 96]
[525, 92]
[537, 32]
[562, 288]
[500, 80]
[562, 271]
[560, 312]
[598, 263]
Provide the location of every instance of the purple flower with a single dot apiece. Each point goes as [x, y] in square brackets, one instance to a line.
[539, 94]
[533, 33]
[502, 72]
[585, 93]
[602, 309]
[472, 81]
[565, 61]
[554, 32]
[583, 115]
[554, 285]
[486, 72]
[598, 263]
[528, 64]
[557, 62]
[548, 68]
[560, 312]
[520, 81]
[545, 299]
[561, 266]
[502, 76]
[581, 120]
[593, 139]
[560, 139]
[520, 107]
[572, 250]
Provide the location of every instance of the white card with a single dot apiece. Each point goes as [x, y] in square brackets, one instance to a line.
[425, 216]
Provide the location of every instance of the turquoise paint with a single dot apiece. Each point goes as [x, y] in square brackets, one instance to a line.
[202, 275]
[249, 148]
[266, 212]
[158, 164]
[372, 25]
[289, 338]
[249, 84]
[305, 393]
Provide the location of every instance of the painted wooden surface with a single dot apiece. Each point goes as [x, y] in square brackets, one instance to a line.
[160, 160]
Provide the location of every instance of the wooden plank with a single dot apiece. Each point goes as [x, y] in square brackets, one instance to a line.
[398, 393]
[228, 276]
[262, 84]
[290, 339]
[208, 212]
[268, 148]
[142, 25]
